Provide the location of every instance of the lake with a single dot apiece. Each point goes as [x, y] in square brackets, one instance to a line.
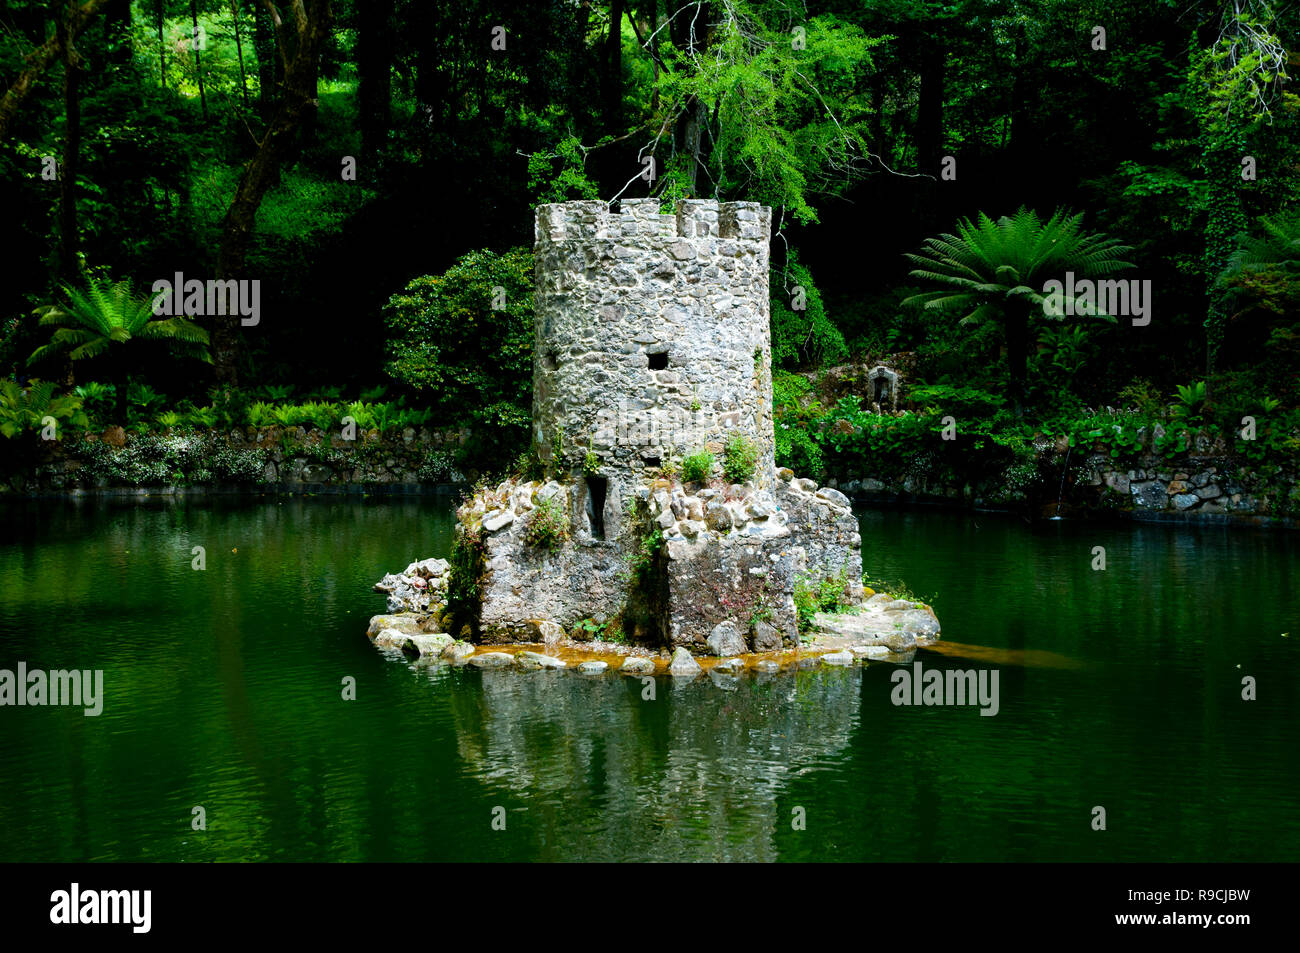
[223, 690]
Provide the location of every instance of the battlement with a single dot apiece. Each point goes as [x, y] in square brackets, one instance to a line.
[639, 221]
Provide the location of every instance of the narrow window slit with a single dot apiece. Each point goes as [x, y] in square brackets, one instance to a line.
[597, 487]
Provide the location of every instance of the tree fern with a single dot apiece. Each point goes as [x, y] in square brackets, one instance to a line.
[996, 269]
[102, 314]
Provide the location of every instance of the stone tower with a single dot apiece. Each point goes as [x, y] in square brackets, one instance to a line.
[652, 335]
[652, 343]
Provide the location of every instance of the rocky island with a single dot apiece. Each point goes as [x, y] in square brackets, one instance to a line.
[649, 529]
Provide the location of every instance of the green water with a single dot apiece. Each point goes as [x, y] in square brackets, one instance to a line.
[224, 690]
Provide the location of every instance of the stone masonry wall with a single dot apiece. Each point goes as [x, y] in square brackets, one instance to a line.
[652, 334]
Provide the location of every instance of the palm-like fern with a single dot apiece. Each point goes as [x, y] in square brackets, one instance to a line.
[1278, 247]
[995, 270]
[104, 314]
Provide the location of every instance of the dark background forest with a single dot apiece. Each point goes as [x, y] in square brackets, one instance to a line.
[349, 154]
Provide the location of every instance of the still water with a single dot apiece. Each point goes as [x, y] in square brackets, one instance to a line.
[223, 690]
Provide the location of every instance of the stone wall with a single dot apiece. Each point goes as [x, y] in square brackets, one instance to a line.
[652, 335]
[276, 457]
[1193, 487]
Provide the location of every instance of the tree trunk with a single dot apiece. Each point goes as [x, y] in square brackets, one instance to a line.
[612, 78]
[239, 51]
[119, 30]
[305, 35]
[269, 68]
[40, 59]
[1017, 335]
[198, 65]
[929, 112]
[67, 266]
[375, 63]
[162, 49]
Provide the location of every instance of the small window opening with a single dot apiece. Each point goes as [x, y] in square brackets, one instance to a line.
[659, 362]
[597, 487]
[882, 389]
[650, 461]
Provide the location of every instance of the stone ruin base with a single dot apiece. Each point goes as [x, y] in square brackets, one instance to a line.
[712, 569]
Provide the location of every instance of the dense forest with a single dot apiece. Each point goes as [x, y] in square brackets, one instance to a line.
[932, 166]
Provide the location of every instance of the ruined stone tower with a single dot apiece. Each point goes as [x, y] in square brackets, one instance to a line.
[653, 342]
[652, 335]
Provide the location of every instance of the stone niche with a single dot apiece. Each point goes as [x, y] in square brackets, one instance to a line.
[882, 388]
[653, 343]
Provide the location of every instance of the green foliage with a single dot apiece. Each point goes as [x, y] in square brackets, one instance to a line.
[546, 525]
[25, 409]
[568, 182]
[1191, 402]
[807, 335]
[590, 461]
[815, 593]
[997, 270]
[697, 467]
[172, 460]
[469, 362]
[89, 321]
[639, 564]
[231, 405]
[783, 122]
[465, 567]
[1143, 396]
[99, 400]
[740, 458]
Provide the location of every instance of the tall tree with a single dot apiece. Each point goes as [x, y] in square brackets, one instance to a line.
[375, 39]
[67, 266]
[299, 41]
[40, 59]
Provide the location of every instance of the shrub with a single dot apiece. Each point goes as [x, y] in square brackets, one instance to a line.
[814, 594]
[24, 409]
[799, 450]
[698, 467]
[261, 414]
[806, 335]
[448, 343]
[546, 526]
[740, 459]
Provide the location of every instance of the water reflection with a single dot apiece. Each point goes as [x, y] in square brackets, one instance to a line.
[695, 772]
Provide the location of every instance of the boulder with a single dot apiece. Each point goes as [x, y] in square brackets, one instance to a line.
[718, 518]
[636, 665]
[593, 667]
[843, 657]
[428, 645]
[457, 651]
[834, 497]
[767, 637]
[408, 624]
[532, 661]
[683, 663]
[726, 640]
[491, 660]
[920, 624]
